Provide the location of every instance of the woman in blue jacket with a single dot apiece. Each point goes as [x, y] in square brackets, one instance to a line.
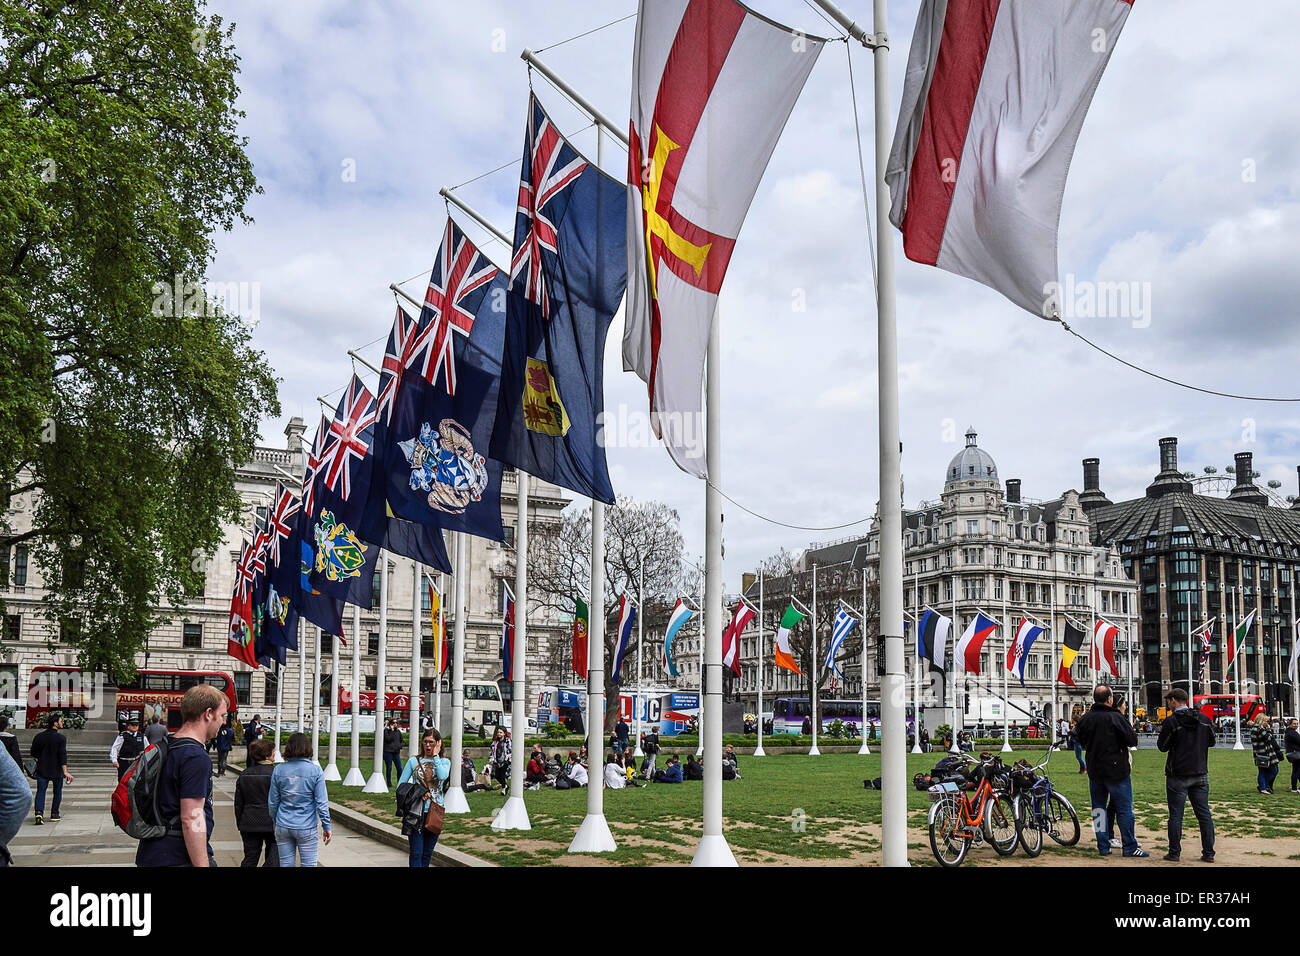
[433, 769]
[297, 799]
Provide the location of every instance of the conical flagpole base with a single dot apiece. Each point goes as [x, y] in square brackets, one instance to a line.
[713, 851]
[864, 749]
[916, 747]
[759, 751]
[453, 801]
[813, 751]
[332, 772]
[593, 836]
[1006, 747]
[375, 784]
[354, 778]
[513, 815]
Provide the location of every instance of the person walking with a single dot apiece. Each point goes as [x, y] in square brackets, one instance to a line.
[1187, 735]
[297, 799]
[252, 811]
[1107, 735]
[1268, 754]
[128, 745]
[15, 801]
[1072, 741]
[225, 743]
[431, 769]
[1293, 752]
[392, 751]
[499, 757]
[621, 731]
[185, 785]
[10, 742]
[50, 751]
[650, 746]
[155, 730]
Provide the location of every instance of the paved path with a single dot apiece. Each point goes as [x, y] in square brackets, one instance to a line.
[86, 835]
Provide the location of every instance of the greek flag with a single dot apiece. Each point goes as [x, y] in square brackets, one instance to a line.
[844, 622]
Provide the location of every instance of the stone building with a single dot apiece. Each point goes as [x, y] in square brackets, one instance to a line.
[193, 637]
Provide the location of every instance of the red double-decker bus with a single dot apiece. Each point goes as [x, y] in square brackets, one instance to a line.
[396, 704]
[153, 691]
[1216, 706]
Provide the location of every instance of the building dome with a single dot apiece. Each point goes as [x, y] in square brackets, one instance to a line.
[972, 463]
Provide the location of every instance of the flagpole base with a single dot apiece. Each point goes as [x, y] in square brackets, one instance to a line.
[279, 757]
[1238, 746]
[813, 751]
[354, 778]
[916, 748]
[1006, 747]
[375, 784]
[864, 749]
[453, 801]
[593, 836]
[699, 751]
[637, 752]
[513, 815]
[759, 751]
[713, 851]
[332, 772]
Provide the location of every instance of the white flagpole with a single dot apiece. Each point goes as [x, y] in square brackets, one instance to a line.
[713, 849]
[315, 704]
[954, 747]
[1236, 673]
[514, 814]
[864, 749]
[354, 777]
[1052, 610]
[758, 751]
[916, 665]
[815, 672]
[439, 662]
[279, 707]
[454, 799]
[1006, 633]
[302, 681]
[415, 702]
[640, 633]
[699, 709]
[1191, 671]
[1295, 647]
[594, 835]
[376, 782]
[336, 686]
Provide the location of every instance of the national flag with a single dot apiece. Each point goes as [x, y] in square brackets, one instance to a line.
[567, 278]
[994, 98]
[508, 635]
[627, 612]
[731, 637]
[784, 658]
[1237, 639]
[971, 642]
[932, 638]
[1102, 652]
[320, 609]
[267, 654]
[1018, 653]
[1070, 647]
[282, 559]
[239, 643]
[438, 628]
[681, 614]
[844, 623]
[437, 469]
[581, 624]
[1206, 644]
[712, 87]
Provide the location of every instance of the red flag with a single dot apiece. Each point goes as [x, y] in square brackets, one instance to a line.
[731, 638]
[580, 621]
[239, 638]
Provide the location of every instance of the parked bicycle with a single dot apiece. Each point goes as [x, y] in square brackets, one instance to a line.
[1040, 808]
[960, 819]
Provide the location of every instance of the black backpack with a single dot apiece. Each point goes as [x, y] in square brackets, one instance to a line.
[134, 803]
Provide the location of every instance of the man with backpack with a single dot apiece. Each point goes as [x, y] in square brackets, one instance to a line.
[650, 747]
[181, 785]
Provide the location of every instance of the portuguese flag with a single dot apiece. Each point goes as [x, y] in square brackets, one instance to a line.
[580, 617]
[784, 658]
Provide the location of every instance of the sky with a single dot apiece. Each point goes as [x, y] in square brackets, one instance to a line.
[1185, 183]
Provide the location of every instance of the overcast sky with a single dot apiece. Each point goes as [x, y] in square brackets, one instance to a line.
[1185, 180]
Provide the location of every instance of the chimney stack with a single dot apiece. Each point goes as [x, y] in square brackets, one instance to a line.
[1170, 480]
[1092, 496]
[1245, 489]
[1295, 505]
[1013, 491]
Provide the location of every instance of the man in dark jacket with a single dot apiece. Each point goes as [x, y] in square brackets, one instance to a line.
[50, 751]
[1107, 735]
[392, 751]
[225, 743]
[1187, 736]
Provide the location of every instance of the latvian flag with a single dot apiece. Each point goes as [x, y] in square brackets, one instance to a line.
[784, 658]
[1102, 656]
[932, 638]
[1069, 651]
[1018, 653]
[731, 639]
[995, 95]
[972, 641]
[626, 621]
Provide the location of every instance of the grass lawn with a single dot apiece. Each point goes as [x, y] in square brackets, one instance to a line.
[795, 808]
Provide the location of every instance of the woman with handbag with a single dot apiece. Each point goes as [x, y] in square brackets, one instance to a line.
[1293, 752]
[1267, 752]
[427, 772]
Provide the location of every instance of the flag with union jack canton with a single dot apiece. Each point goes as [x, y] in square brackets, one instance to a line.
[567, 278]
[281, 624]
[320, 609]
[437, 472]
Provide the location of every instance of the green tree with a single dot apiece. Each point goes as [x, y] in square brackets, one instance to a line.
[122, 410]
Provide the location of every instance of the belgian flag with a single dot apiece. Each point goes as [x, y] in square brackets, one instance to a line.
[1073, 643]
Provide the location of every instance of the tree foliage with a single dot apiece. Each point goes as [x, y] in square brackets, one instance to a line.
[119, 158]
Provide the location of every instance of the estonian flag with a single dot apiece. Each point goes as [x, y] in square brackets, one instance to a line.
[932, 638]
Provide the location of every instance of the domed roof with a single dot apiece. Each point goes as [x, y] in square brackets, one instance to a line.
[972, 463]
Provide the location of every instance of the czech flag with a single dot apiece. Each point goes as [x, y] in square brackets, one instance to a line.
[972, 642]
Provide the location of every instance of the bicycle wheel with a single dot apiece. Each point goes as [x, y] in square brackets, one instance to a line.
[1064, 822]
[946, 840]
[1027, 831]
[1000, 825]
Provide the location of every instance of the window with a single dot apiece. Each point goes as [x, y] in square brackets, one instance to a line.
[243, 693]
[972, 527]
[947, 529]
[192, 636]
[4, 568]
[326, 643]
[20, 566]
[9, 681]
[509, 540]
[1042, 562]
[370, 680]
[997, 589]
[372, 643]
[426, 603]
[1026, 561]
[1015, 590]
[947, 590]
[374, 588]
[268, 688]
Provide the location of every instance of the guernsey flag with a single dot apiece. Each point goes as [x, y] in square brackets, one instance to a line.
[784, 658]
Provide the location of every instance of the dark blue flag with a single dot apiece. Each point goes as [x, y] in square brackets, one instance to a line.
[266, 653]
[567, 277]
[323, 611]
[447, 368]
[281, 624]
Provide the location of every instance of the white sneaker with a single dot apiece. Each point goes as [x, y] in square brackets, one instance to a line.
[1116, 843]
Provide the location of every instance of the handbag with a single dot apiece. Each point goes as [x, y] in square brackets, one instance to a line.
[29, 767]
[433, 818]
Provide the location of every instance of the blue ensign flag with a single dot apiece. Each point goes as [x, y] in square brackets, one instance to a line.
[320, 609]
[567, 278]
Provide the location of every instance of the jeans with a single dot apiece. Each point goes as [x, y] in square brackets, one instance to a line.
[1178, 790]
[422, 845]
[1078, 755]
[1121, 792]
[1266, 777]
[1295, 773]
[255, 843]
[650, 766]
[222, 757]
[304, 841]
[41, 784]
[392, 761]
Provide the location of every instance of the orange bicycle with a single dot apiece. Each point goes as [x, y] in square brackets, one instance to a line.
[959, 819]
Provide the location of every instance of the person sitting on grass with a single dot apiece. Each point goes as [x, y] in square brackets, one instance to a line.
[576, 770]
[614, 775]
[672, 772]
[536, 775]
[693, 770]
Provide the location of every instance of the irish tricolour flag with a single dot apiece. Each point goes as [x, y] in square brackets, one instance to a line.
[784, 658]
